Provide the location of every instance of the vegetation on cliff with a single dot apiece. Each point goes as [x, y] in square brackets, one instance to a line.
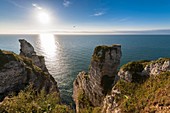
[100, 51]
[29, 101]
[152, 95]
[137, 66]
[7, 56]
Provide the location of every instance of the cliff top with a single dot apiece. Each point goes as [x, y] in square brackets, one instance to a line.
[100, 51]
[7, 56]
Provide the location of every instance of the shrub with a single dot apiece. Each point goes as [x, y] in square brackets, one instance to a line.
[29, 101]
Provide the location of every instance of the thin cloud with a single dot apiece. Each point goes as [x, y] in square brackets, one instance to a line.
[37, 6]
[66, 3]
[16, 4]
[99, 13]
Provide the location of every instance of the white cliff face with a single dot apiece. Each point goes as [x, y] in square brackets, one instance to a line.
[109, 104]
[152, 68]
[156, 68]
[126, 75]
[27, 50]
[96, 83]
[17, 72]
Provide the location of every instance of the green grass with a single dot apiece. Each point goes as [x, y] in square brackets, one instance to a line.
[7, 56]
[99, 53]
[85, 105]
[29, 101]
[83, 100]
[91, 110]
[137, 98]
[137, 66]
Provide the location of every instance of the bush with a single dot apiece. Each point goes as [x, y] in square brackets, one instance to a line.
[29, 101]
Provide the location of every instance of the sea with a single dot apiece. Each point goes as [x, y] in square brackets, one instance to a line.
[67, 55]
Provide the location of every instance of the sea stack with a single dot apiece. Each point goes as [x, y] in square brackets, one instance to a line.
[89, 89]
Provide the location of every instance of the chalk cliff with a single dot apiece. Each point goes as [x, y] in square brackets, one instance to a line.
[89, 89]
[19, 71]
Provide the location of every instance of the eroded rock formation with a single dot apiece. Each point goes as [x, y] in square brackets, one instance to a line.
[90, 88]
[141, 69]
[27, 50]
[19, 71]
[137, 73]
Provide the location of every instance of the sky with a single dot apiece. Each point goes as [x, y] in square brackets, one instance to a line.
[69, 16]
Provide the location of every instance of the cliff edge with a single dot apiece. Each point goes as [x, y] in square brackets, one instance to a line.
[89, 89]
[143, 87]
[19, 71]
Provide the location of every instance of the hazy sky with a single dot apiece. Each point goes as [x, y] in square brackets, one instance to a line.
[83, 15]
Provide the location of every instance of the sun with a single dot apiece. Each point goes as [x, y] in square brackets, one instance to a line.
[43, 17]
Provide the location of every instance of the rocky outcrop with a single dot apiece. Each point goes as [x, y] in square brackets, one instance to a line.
[156, 67]
[132, 71]
[27, 50]
[142, 69]
[137, 73]
[94, 85]
[110, 104]
[19, 71]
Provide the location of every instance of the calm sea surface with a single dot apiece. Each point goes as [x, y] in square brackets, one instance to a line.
[67, 55]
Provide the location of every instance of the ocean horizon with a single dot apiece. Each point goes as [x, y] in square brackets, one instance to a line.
[67, 55]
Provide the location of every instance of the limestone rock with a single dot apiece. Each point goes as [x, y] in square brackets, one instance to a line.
[109, 104]
[18, 71]
[132, 71]
[126, 75]
[98, 81]
[27, 50]
[141, 69]
[157, 67]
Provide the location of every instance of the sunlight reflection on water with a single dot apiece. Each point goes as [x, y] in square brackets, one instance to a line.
[47, 43]
[52, 51]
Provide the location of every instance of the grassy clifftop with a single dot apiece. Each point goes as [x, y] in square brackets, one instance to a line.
[7, 56]
[151, 96]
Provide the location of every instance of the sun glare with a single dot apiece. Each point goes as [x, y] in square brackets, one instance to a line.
[48, 44]
[43, 17]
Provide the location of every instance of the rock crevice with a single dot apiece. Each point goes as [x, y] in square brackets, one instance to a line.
[96, 83]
